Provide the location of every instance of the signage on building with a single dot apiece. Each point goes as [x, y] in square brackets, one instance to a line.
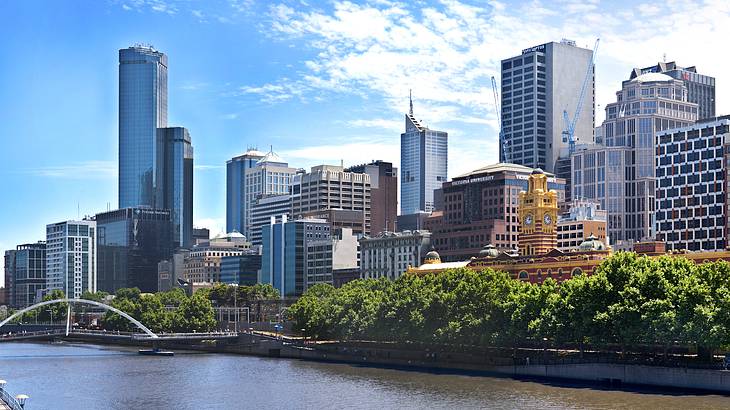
[541, 47]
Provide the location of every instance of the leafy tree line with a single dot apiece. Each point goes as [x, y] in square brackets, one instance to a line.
[629, 301]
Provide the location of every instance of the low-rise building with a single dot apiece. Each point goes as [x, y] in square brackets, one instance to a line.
[203, 264]
[389, 254]
[171, 270]
[583, 219]
[243, 269]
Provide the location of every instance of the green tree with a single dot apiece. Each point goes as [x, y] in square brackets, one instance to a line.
[195, 314]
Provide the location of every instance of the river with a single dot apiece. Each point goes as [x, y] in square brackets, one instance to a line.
[79, 376]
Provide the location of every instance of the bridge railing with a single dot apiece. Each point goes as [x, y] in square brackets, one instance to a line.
[8, 399]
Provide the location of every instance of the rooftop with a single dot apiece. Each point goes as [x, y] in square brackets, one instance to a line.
[500, 167]
[652, 77]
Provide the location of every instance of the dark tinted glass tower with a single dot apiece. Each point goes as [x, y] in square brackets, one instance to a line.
[131, 242]
[175, 181]
[142, 109]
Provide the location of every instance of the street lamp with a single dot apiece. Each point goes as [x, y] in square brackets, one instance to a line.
[21, 398]
[51, 312]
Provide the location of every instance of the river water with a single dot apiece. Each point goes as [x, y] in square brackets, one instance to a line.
[79, 376]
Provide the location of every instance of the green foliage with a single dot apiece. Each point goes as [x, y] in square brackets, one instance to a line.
[630, 301]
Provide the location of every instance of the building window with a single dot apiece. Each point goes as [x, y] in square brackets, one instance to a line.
[523, 275]
[576, 272]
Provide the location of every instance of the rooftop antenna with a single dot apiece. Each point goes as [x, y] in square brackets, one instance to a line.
[410, 100]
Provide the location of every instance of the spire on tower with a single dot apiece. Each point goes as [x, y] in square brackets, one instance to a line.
[410, 100]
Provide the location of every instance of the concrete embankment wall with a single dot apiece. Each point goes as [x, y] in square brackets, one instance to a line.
[599, 373]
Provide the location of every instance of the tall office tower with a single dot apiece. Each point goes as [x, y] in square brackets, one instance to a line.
[142, 110]
[424, 165]
[537, 86]
[71, 257]
[620, 176]
[130, 244]
[271, 175]
[236, 188]
[175, 181]
[263, 209]
[9, 271]
[692, 193]
[700, 88]
[26, 267]
[383, 194]
[329, 192]
[480, 208]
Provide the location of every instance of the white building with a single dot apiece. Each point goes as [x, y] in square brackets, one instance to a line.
[270, 176]
[390, 254]
[71, 257]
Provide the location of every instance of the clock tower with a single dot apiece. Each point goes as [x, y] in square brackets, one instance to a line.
[538, 215]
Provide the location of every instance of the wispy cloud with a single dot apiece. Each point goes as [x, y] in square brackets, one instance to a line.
[383, 123]
[160, 6]
[208, 167]
[214, 225]
[104, 170]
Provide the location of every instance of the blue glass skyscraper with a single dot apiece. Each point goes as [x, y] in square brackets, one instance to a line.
[174, 189]
[236, 189]
[423, 165]
[142, 109]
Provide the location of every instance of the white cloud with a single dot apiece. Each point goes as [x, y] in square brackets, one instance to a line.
[104, 170]
[383, 123]
[208, 167]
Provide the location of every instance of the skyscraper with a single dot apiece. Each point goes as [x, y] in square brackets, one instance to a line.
[383, 194]
[700, 88]
[175, 181]
[142, 109]
[71, 257]
[236, 188]
[424, 164]
[621, 175]
[330, 193]
[537, 86]
[29, 277]
[270, 176]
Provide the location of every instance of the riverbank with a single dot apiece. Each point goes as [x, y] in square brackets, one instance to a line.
[613, 375]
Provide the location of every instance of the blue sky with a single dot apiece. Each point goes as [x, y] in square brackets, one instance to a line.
[320, 81]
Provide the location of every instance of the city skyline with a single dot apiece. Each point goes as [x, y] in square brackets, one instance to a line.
[65, 154]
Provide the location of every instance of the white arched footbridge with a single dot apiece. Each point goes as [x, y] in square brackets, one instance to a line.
[84, 302]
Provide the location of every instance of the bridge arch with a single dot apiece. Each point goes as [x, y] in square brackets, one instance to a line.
[82, 301]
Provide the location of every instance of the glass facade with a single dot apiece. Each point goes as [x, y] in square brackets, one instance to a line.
[29, 273]
[131, 242]
[236, 189]
[175, 181]
[424, 166]
[142, 109]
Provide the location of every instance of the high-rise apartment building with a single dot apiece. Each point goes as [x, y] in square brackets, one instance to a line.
[71, 257]
[142, 110]
[700, 88]
[175, 181]
[130, 244]
[271, 175]
[383, 194]
[620, 175]
[342, 198]
[537, 86]
[236, 188]
[27, 267]
[424, 165]
[692, 193]
[481, 207]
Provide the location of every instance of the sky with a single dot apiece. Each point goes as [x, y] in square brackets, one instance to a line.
[319, 81]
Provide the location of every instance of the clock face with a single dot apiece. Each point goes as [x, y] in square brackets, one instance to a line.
[528, 220]
[547, 219]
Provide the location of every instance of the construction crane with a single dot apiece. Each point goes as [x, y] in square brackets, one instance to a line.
[506, 157]
[569, 130]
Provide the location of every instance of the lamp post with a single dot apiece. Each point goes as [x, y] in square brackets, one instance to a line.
[21, 398]
[51, 313]
[235, 307]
